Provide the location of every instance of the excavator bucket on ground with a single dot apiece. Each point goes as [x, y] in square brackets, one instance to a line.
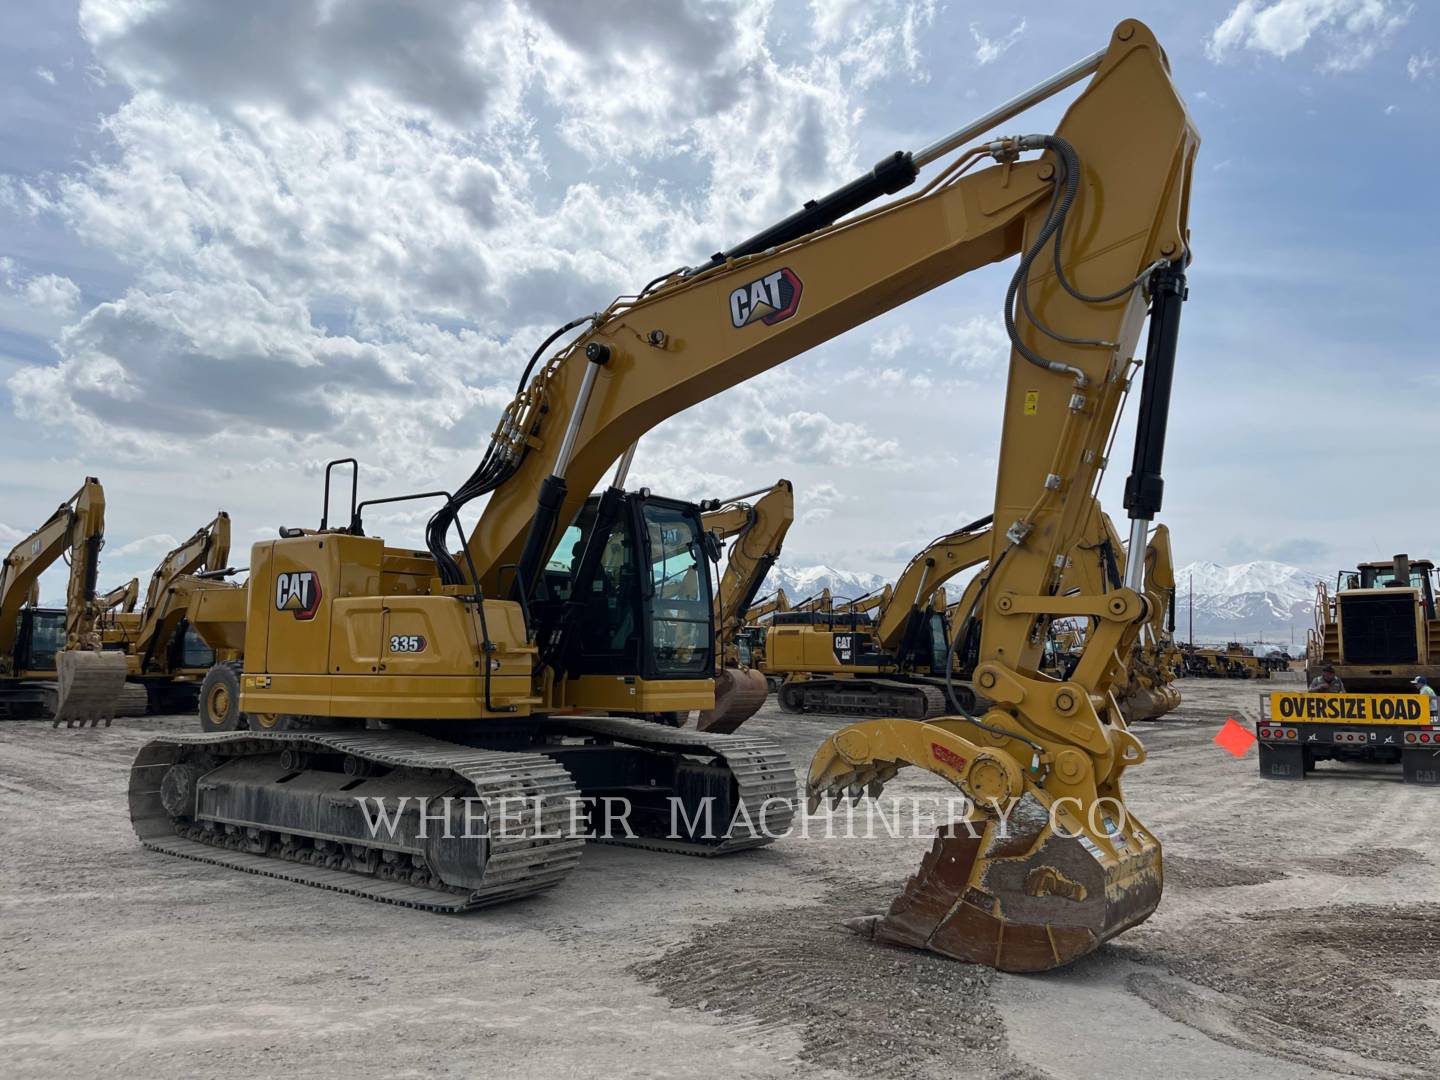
[1150, 703]
[739, 693]
[1022, 881]
[91, 683]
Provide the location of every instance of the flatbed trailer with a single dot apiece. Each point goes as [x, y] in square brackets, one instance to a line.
[1298, 729]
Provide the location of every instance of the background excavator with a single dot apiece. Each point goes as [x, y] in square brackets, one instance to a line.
[1143, 687]
[166, 656]
[760, 615]
[51, 659]
[487, 663]
[891, 662]
[757, 531]
[767, 606]
[120, 600]
[868, 602]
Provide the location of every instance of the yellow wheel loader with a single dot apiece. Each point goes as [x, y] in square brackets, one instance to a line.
[500, 664]
[756, 530]
[1380, 628]
[52, 662]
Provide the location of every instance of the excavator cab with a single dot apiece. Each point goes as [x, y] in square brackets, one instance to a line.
[645, 608]
[932, 646]
[41, 638]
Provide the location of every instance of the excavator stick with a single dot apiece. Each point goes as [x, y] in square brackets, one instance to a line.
[739, 693]
[1023, 881]
[91, 683]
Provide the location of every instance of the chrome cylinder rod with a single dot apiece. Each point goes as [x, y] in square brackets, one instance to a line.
[1014, 107]
[622, 467]
[1135, 555]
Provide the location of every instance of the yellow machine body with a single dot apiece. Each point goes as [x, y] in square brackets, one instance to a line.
[1379, 628]
[341, 628]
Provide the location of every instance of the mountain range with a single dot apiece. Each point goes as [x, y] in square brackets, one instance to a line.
[1248, 602]
[803, 582]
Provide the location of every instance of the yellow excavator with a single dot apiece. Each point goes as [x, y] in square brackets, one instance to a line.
[760, 615]
[815, 603]
[120, 600]
[166, 655]
[52, 662]
[892, 663]
[478, 671]
[757, 530]
[767, 606]
[867, 603]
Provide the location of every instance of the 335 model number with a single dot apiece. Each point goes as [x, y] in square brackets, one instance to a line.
[407, 643]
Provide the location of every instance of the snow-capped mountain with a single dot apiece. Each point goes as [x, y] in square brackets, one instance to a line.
[1245, 601]
[801, 582]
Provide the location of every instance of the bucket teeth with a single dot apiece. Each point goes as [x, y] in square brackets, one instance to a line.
[863, 925]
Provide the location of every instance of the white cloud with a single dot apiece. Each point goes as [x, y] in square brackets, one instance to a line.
[812, 436]
[1421, 66]
[158, 543]
[9, 535]
[46, 74]
[891, 342]
[1354, 30]
[347, 223]
[988, 50]
[53, 293]
[979, 344]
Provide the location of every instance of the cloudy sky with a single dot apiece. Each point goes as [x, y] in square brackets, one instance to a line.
[237, 240]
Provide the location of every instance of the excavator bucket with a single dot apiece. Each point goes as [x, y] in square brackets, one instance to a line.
[1145, 703]
[739, 693]
[1024, 880]
[90, 686]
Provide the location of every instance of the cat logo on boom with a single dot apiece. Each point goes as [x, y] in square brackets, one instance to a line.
[298, 592]
[769, 300]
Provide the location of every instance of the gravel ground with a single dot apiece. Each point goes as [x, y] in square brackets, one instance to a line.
[1296, 939]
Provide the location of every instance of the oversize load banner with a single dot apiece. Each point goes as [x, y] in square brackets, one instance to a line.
[1352, 708]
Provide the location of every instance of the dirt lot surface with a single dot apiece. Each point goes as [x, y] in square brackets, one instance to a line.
[1299, 936]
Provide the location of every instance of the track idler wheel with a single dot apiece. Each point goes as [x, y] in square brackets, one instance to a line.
[1023, 881]
[791, 697]
[739, 693]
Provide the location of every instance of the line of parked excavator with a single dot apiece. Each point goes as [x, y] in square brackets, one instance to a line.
[894, 651]
[549, 653]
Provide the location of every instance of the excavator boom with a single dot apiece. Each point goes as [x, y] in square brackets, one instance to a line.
[172, 584]
[1039, 886]
[757, 530]
[121, 599]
